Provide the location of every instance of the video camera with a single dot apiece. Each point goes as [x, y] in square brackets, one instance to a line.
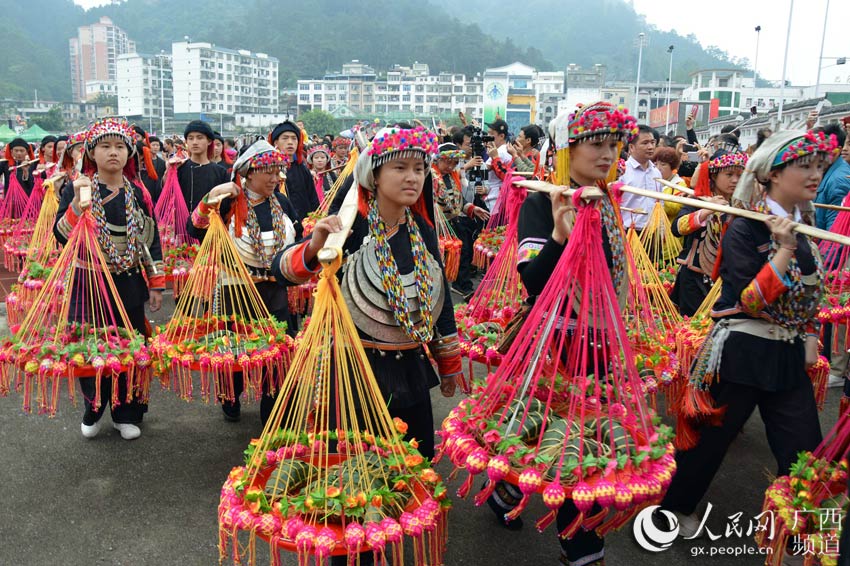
[476, 175]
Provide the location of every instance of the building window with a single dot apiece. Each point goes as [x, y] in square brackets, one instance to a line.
[723, 83]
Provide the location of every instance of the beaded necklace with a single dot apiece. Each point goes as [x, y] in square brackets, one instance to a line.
[391, 278]
[256, 234]
[121, 262]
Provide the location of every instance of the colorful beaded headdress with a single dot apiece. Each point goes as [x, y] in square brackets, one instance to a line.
[781, 148]
[396, 143]
[317, 149]
[595, 121]
[727, 160]
[340, 141]
[807, 146]
[111, 128]
[399, 143]
[76, 139]
[721, 160]
[450, 151]
[260, 156]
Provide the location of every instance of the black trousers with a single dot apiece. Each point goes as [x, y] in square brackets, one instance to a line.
[790, 421]
[420, 425]
[689, 291]
[126, 412]
[267, 401]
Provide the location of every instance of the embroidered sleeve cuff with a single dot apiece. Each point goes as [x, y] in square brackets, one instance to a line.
[689, 224]
[157, 282]
[529, 249]
[763, 290]
[294, 267]
[68, 221]
[201, 215]
[446, 352]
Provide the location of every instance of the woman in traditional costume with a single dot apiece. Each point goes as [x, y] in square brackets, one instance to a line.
[319, 160]
[766, 331]
[702, 229]
[587, 144]
[129, 240]
[393, 282]
[262, 222]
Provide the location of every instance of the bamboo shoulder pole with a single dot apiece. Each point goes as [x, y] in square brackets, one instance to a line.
[543, 186]
[680, 188]
[831, 207]
[797, 227]
[589, 193]
[347, 214]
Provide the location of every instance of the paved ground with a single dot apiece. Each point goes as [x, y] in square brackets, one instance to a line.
[73, 502]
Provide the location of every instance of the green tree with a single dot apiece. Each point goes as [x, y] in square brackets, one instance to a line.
[319, 122]
[52, 120]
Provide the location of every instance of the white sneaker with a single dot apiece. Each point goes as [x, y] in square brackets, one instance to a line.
[90, 431]
[835, 381]
[128, 431]
[688, 524]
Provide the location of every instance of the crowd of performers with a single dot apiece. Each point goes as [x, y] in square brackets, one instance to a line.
[766, 332]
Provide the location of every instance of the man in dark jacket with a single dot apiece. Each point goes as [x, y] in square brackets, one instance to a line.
[300, 188]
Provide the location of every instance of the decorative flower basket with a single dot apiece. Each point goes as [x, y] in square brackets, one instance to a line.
[330, 474]
[481, 323]
[172, 216]
[12, 207]
[15, 247]
[220, 326]
[565, 415]
[74, 328]
[809, 504]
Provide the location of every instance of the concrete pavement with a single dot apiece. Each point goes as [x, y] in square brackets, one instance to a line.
[74, 502]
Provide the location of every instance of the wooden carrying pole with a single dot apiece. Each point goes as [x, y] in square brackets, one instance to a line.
[696, 203]
[347, 214]
[831, 207]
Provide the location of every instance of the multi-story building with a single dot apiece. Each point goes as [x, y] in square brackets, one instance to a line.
[794, 116]
[213, 80]
[94, 55]
[145, 88]
[735, 91]
[403, 91]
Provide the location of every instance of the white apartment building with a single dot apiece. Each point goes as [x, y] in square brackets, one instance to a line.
[734, 89]
[356, 90]
[145, 86]
[215, 80]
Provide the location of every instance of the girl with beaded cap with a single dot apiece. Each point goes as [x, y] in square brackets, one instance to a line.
[702, 229]
[319, 160]
[766, 331]
[393, 263]
[127, 233]
[262, 222]
[585, 147]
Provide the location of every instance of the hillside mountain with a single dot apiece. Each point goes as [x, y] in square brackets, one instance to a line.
[309, 38]
[582, 32]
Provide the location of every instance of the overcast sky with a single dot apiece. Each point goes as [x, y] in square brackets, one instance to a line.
[730, 24]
